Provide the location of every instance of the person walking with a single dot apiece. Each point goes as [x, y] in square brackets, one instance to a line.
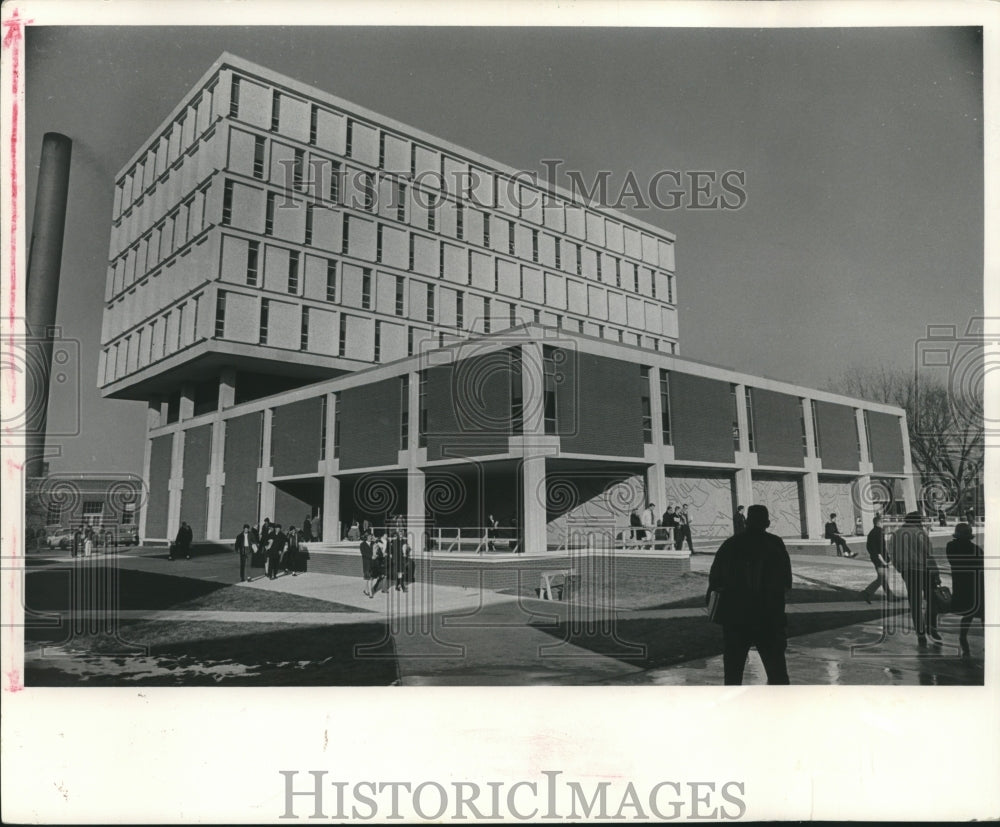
[683, 531]
[739, 520]
[245, 548]
[832, 533]
[274, 550]
[911, 555]
[377, 571]
[307, 529]
[397, 559]
[968, 584]
[875, 544]
[752, 571]
[366, 561]
[636, 534]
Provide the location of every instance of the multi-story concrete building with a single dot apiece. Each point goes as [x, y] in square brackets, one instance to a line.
[328, 311]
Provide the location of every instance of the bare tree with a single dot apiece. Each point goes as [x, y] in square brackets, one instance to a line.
[945, 428]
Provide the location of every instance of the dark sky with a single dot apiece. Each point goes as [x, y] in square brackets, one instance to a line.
[862, 150]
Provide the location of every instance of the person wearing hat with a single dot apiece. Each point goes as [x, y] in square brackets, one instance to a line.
[968, 585]
[752, 571]
[912, 557]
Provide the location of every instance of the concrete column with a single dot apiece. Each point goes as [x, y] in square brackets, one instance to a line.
[215, 481]
[533, 389]
[330, 518]
[910, 480]
[533, 528]
[416, 515]
[741, 418]
[744, 488]
[187, 402]
[656, 486]
[147, 453]
[227, 388]
[265, 472]
[810, 482]
[176, 485]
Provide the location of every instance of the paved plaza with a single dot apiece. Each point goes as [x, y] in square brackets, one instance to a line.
[151, 621]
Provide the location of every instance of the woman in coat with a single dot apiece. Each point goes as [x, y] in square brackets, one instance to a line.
[967, 581]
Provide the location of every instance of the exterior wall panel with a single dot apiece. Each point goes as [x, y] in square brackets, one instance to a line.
[777, 428]
[886, 437]
[295, 437]
[369, 424]
[838, 436]
[194, 497]
[240, 462]
[701, 418]
[157, 507]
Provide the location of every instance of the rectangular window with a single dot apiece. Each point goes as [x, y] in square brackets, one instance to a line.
[309, 225]
[868, 435]
[404, 413]
[670, 288]
[413, 160]
[459, 309]
[550, 371]
[345, 235]
[815, 420]
[378, 341]
[537, 315]
[227, 208]
[336, 426]
[366, 289]
[599, 259]
[220, 315]
[413, 253]
[646, 404]
[430, 302]
[652, 282]
[323, 405]
[378, 244]
[486, 230]
[335, 172]
[331, 280]
[665, 406]
[304, 330]
[275, 110]
[93, 513]
[510, 239]
[432, 202]
[748, 393]
[736, 419]
[369, 192]
[802, 427]
[253, 260]
[579, 260]
[422, 409]
[459, 221]
[349, 148]
[381, 150]
[512, 314]
[262, 332]
[258, 157]
[409, 341]
[293, 272]
[487, 323]
[400, 287]
[496, 275]
[313, 127]
[635, 277]
[342, 340]
[516, 393]
[534, 245]
[298, 169]
[441, 261]
[559, 253]
[269, 214]
[234, 98]
[180, 325]
[618, 272]
[400, 201]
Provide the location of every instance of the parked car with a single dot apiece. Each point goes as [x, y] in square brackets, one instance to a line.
[61, 538]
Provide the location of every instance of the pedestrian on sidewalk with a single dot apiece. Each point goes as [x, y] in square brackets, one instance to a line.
[245, 548]
[378, 568]
[683, 531]
[366, 560]
[274, 550]
[968, 585]
[877, 552]
[739, 520]
[912, 557]
[752, 571]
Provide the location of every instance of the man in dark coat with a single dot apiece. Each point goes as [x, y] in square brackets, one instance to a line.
[366, 560]
[832, 533]
[182, 542]
[739, 520]
[968, 585]
[274, 549]
[245, 547]
[876, 551]
[752, 571]
[912, 557]
[307, 530]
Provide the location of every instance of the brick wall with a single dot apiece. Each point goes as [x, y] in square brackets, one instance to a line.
[240, 463]
[777, 428]
[296, 430]
[701, 418]
[369, 424]
[838, 436]
[886, 437]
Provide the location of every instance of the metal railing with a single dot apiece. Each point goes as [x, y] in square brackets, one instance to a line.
[480, 539]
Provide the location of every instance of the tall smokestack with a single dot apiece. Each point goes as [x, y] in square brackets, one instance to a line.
[42, 290]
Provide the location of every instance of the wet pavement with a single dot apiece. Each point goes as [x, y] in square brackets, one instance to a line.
[449, 635]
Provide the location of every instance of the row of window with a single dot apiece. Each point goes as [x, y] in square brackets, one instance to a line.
[165, 334]
[468, 181]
